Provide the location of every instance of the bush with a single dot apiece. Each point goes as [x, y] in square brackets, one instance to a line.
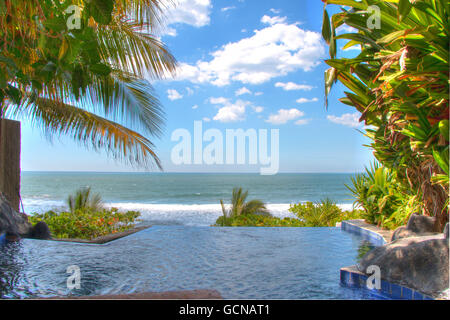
[322, 214]
[385, 202]
[86, 223]
[256, 220]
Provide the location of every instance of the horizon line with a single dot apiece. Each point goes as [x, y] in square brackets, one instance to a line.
[193, 172]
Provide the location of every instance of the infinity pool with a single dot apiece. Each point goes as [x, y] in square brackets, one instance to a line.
[241, 263]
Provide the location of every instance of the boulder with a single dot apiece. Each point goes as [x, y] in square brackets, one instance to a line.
[12, 222]
[421, 224]
[402, 232]
[417, 226]
[40, 231]
[420, 263]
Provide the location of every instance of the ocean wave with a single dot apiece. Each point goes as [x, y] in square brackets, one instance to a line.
[167, 214]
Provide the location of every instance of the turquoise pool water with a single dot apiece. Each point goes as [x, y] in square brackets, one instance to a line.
[241, 263]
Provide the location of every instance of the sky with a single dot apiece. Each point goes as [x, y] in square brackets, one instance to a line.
[243, 64]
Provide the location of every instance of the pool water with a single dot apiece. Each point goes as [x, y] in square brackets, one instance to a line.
[241, 263]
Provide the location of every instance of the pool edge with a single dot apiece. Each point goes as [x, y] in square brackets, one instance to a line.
[353, 278]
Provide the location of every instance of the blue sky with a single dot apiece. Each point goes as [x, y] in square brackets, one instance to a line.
[247, 64]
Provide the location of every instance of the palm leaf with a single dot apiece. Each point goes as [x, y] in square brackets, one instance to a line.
[57, 117]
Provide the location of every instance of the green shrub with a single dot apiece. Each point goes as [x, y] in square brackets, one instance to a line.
[83, 199]
[322, 214]
[86, 223]
[385, 202]
[256, 220]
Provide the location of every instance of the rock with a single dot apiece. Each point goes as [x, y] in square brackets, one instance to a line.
[40, 231]
[12, 222]
[419, 263]
[421, 224]
[417, 226]
[402, 232]
[446, 231]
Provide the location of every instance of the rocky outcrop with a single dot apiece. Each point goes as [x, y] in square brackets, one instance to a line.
[421, 224]
[12, 222]
[419, 263]
[40, 231]
[418, 225]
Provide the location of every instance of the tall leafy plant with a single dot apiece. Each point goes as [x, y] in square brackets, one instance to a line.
[399, 84]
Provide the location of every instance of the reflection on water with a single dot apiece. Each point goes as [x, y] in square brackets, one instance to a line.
[252, 263]
[363, 248]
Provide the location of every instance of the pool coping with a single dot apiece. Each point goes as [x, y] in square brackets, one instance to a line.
[368, 231]
[352, 277]
[105, 239]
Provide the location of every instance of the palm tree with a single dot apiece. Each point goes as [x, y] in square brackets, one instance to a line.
[88, 83]
[239, 206]
[83, 199]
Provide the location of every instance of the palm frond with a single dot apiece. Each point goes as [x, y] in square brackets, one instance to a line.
[128, 48]
[57, 117]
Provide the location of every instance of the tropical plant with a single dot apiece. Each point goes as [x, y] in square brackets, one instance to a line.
[82, 77]
[383, 198]
[240, 207]
[86, 223]
[399, 82]
[84, 199]
[324, 213]
[257, 220]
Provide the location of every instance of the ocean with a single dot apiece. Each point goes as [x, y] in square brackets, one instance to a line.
[182, 198]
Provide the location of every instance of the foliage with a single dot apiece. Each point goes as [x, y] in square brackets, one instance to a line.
[86, 223]
[83, 199]
[82, 80]
[385, 202]
[399, 84]
[257, 220]
[240, 207]
[322, 214]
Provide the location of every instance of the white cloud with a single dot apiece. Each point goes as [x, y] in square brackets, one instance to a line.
[173, 94]
[345, 29]
[220, 100]
[206, 119]
[259, 93]
[258, 109]
[347, 119]
[276, 11]
[304, 100]
[231, 112]
[274, 51]
[289, 86]
[195, 107]
[273, 20]
[242, 91]
[285, 115]
[301, 122]
[225, 9]
[192, 12]
[190, 91]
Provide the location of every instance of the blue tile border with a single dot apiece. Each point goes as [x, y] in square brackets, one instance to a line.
[372, 236]
[352, 277]
[355, 279]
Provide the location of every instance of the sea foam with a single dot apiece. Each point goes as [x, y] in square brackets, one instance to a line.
[167, 214]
